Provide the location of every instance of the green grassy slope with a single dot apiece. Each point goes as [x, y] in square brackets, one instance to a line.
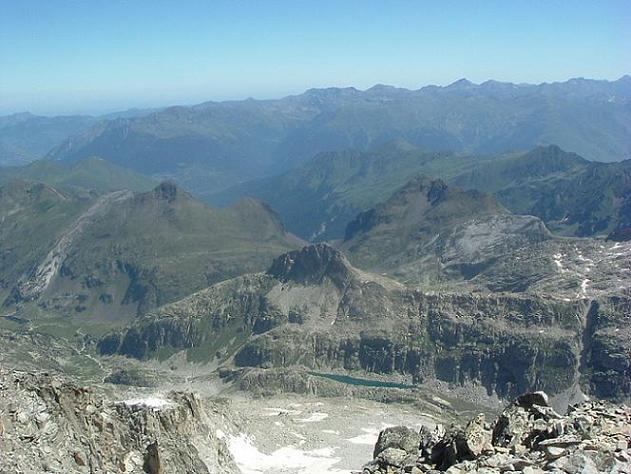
[128, 253]
[90, 174]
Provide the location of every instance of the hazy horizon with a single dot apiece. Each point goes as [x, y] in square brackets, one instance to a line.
[124, 108]
[70, 57]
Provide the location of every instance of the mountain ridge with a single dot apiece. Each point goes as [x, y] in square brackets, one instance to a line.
[208, 146]
[123, 253]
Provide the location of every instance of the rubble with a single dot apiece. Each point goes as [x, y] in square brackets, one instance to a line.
[529, 436]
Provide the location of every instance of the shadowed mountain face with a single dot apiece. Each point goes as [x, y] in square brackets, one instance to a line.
[571, 195]
[122, 253]
[212, 145]
[313, 309]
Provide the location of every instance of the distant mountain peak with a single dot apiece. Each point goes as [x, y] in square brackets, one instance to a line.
[166, 190]
[381, 87]
[461, 84]
[331, 91]
[423, 202]
[434, 189]
[311, 265]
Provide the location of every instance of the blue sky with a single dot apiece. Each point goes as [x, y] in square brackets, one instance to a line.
[63, 56]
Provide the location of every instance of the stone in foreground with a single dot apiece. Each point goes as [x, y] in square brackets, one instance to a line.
[528, 437]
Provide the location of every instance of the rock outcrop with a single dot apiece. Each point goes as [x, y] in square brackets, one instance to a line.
[528, 436]
[50, 424]
[311, 265]
[312, 309]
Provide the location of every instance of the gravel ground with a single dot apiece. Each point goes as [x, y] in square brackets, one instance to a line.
[298, 435]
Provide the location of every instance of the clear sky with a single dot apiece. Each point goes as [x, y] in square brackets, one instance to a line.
[63, 56]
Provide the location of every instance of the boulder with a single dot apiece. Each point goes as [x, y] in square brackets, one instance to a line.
[527, 400]
[528, 437]
[400, 437]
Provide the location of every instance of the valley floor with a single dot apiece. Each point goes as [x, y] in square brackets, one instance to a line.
[294, 434]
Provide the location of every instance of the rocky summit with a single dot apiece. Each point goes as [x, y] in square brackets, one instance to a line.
[49, 423]
[529, 437]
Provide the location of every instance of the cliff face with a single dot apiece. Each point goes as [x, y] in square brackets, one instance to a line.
[314, 310]
[51, 424]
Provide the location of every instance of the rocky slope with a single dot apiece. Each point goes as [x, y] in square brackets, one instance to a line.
[431, 235]
[313, 309]
[50, 424]
[528, 436]
[436, 230]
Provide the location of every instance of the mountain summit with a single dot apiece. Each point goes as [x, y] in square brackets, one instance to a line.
[311, 265]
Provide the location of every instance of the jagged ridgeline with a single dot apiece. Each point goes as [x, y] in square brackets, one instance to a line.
[313, 309]
[110, 255]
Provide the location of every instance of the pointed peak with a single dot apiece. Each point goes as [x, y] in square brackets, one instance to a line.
[461, 84]
[435, 189]
[311, 265]
[167, 191]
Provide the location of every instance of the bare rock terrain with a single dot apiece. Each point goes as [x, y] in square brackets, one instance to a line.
[529, 436]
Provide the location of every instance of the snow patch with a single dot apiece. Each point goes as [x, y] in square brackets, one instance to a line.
[149, 402]
[557, 261]
[286, 459]
[333, 432]
[369, 437]
[314, 417]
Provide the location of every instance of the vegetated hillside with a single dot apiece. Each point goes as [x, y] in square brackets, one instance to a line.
[32, 217]
[313, 309]
[212, 145]
[26, 137]
[571, 195]
[125, 253]
[91, 174]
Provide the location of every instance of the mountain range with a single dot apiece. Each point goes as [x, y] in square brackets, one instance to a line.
[451, 241]
[573, 196]
[212, 145]
[25, 137]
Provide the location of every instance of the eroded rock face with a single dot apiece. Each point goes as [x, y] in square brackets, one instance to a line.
[312, 264]
[592, 437]
[312, 309]
[48, 424]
